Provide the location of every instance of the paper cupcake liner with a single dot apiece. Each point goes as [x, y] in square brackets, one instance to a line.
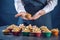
[55, 33]
[6, 33]
[33, 34]
[25, 33]
[38, 34]
[47, 34]
[16, 33]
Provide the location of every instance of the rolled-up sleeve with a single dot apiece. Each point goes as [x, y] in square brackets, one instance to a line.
[50, 6]
[19, 6]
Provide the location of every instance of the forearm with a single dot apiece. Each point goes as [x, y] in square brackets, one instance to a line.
[19, 6]
[50, 6]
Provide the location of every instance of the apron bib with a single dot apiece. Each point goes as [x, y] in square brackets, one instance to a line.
[33, 6]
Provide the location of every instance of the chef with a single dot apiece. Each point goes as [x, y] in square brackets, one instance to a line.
[39, 9]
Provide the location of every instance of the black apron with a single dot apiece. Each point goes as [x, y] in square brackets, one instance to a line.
[33, 6]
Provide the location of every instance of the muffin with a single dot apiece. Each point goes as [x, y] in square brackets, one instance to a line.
[10, 28]
[38, 32]
[43, 28]
[21, 26]
[5, 32]
[28, 16]
[34, 29]
[26, 32]
[30, 27]
[16, 31]
[46, 33]
[55, 32]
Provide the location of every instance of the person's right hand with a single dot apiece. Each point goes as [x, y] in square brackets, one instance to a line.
[22, 15]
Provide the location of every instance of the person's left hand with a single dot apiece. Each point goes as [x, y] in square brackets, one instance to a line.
[38, 14]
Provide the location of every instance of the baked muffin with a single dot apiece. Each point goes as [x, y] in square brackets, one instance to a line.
[55, 32]
[16, 31]
[21, 26]
[35, 31]
[38, 32]
[46, 33]
[11, 27]
[34, 28]
[5, 32]
[43, 28]
[30, 27]
[28, 16]
[26, 32]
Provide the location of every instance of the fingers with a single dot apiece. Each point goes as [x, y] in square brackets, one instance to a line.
[36, 16]
[24, 18]
[19, 14]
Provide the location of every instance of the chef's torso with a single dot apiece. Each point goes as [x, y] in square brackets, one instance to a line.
[32, 6]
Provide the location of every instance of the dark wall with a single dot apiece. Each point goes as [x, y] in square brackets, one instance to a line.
[7, 12]
[56, 16]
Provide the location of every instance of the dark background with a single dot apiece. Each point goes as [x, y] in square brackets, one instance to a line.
[9, 4]
[56, 16]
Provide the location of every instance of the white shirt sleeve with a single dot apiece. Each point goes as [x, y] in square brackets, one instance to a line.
[50, 6]
[19, 6]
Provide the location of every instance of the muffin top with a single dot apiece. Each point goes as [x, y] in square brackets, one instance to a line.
[55, 30]
[11, 26]
[47, 30]
[25, 30]
[5, 30]
[21, 26]
[36, 30]
[17, 29]
[28, 15]
[43, 28]
[30, 26]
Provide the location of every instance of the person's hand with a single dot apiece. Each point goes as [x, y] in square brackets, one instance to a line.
[23, 15]
[38, 14]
